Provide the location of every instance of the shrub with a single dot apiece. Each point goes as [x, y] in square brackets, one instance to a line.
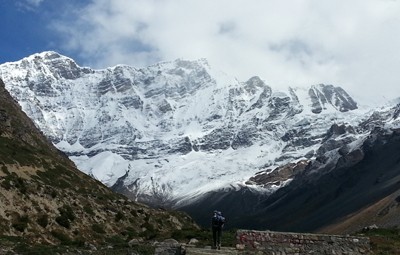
[66, 216]
[20, 223]
[20, 185]
[150, 232]
[68, 212]
[383, 241]
[116, 240]
[5, 170]
[98, 228]
[88, 209]
[62, 237]
[119, 216]
[129, 232]
[53, 194]
[43, 220]
[63, 221]
[79, 241]
[144, 249]
[6, 184]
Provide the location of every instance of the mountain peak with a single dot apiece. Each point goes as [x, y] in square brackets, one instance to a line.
[321, 95]
[47, 55]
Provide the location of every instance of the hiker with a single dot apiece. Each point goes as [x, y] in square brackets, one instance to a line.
[217, 223]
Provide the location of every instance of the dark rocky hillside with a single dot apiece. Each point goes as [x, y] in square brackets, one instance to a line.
[362, 189]
[45, 199]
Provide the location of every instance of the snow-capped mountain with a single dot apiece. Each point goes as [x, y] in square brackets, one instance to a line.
[174, 131]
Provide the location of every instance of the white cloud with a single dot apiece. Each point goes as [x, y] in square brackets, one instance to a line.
[34, 2]
[31, 3]
[353, 44]
[28, 5]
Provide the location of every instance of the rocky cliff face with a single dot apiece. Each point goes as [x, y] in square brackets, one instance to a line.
[176, 132]
[322, 95]
[45, 199]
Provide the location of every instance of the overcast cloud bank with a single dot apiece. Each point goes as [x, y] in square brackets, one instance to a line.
[353, 44]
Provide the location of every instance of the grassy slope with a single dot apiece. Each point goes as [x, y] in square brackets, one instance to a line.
[45, 199]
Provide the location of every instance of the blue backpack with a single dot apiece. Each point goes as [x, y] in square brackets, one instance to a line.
[218, 220]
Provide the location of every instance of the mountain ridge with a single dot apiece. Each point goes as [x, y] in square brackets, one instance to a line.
[235, 103]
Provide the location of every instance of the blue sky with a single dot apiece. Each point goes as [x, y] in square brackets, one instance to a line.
[352, 44]
[27, 27]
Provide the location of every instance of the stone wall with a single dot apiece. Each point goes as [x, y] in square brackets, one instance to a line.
[283, 243]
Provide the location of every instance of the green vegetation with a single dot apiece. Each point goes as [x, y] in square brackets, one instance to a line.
[20, 223]
[66, 216]
[61, 236]
[18, 245]
[5, 170]
[88, 209]
[43, 220]
[53, 193]
[14, 181]
[118, 242]
[98, 228]
[20, 185]
[14, 151]
[384, 241]
[104, 197]
[143, 249]
[6, 183]
[119, 216]
[204, 236]
[129, 233]
[25, 249]
[56, 177]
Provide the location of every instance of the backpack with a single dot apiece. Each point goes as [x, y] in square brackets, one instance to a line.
[218, 220]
